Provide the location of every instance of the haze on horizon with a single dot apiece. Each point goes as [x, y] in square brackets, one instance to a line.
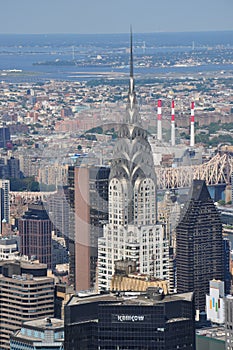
[109, 16]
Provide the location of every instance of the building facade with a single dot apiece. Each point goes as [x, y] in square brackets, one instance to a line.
[13, 168]
[215, 304]
[229, 322]
[88, 198]
[132, 231]
[150, 321]
[227, 264]
[210, 339]
[35, 230]
[40, 334]
[58, 209]
[4, 136]
[9, 248]
[4, 202]
[23, 297]
[199, 245]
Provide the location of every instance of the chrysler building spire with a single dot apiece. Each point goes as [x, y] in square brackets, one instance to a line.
[132, 108]
[131, 86]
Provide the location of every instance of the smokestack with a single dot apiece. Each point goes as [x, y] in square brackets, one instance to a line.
[192, 135]
[173, 138]
[159, 121]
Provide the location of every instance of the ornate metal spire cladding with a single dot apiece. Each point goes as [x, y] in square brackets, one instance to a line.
[132, 159]
[132, 108]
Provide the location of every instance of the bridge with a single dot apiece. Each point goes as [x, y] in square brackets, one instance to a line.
[216, 171]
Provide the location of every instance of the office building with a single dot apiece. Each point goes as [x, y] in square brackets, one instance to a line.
[23, 266]
[39, 334]
[30, 162]
[146, 321]
[60, 254]
[35, 231]
[232, 187]
[63, 293]
[169, 213]
[71, 238]
[53, 175]
[88, 196]
[212, 338]
[26, 293]
[4, 136]
[58, 208]
[199, 245]
[227, 265]
[229, 321]
[215, 307]
[13, 168]
[4, 202]
[9, 248]
[132, 231]
[4, 171]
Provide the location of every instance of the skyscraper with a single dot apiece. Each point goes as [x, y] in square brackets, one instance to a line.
[35, 230]
[88, 199]
[4, 202]
[132, 231]
[199, 245]
[26, 293]
[227, 263]
[4, 136]
[58, 208]
[13, 167]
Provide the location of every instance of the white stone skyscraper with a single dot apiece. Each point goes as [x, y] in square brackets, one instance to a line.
[132, 231]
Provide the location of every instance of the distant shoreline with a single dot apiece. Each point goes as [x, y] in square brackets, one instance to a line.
[124, 33]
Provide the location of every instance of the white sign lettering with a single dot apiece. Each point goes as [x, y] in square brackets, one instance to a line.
[130, 318]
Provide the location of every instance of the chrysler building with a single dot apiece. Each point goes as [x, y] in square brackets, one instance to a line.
[132, 231]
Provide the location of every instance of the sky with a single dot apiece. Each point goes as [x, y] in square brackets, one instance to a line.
[114, 16]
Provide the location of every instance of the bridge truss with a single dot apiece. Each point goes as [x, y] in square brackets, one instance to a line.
[216, 171]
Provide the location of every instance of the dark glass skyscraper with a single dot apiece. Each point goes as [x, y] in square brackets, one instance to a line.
[147, 322]
[199, 240]
[35, 230]
[4, 136]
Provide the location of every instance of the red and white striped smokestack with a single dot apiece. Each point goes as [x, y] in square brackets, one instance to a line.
[159, 121]
[173, 139]
[192, 134]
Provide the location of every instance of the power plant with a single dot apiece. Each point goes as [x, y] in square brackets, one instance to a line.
[174, 154]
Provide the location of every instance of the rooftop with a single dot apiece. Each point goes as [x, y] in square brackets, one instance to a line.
[53, 324]
[217, 333]
[83, 298]
[45, 323]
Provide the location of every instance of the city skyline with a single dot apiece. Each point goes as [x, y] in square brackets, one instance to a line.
[26, 17]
